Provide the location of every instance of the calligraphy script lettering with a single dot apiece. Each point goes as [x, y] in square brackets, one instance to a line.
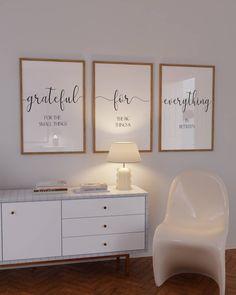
[51, 98]
[192, 99]
[120, 98]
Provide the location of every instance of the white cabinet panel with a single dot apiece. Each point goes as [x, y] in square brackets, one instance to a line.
[103, 225]
[102, 244]
[103, 207]
[31, 230]
[0, 232]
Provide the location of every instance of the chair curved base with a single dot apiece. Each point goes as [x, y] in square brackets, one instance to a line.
[170, 260]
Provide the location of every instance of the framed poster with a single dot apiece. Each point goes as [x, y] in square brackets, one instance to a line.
[122, 104]
[52, 106]
[186, 107]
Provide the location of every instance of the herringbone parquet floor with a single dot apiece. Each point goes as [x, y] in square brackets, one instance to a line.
[102, 278]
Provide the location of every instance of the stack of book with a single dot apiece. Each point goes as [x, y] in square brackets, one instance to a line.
[91, 187]
[55, 186]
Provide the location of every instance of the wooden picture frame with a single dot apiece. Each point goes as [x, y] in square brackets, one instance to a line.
[122, 104]
[52, 106]
[186, 106]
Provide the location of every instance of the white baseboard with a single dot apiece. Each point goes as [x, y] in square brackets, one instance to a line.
[147, 253]
[231, 247]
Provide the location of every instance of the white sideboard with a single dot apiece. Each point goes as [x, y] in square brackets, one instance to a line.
[55, 227]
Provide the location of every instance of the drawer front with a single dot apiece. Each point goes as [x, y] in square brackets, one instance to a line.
[103, 244]
[103, 207]
[103, 225]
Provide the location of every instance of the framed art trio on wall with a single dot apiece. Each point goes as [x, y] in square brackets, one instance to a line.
[53, 106]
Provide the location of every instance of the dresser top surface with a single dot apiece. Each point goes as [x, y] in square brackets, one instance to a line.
[27, 195]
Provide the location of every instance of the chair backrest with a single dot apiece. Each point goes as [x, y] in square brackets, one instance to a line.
[198, 196]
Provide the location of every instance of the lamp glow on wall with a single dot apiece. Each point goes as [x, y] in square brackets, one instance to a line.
[123, 152]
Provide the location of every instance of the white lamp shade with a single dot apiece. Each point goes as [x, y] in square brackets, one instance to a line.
[123, 152]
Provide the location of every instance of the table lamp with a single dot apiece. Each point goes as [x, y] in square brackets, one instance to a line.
[123, 152]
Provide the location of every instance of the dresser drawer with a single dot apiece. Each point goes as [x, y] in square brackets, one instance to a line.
[103, 225]
[103, 244]
[103, 207]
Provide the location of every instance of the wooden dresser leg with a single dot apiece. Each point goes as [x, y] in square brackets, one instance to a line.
[117, 262]
[127, 264]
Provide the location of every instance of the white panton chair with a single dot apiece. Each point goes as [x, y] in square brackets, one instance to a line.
[193, 234]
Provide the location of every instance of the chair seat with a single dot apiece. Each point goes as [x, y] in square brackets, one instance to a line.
[194, 234]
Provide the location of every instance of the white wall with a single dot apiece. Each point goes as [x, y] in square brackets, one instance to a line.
[157, 31]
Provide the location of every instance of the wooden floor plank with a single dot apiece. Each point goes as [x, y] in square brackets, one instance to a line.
[102, 278]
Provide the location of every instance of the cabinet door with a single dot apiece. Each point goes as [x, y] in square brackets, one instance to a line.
[31, 230]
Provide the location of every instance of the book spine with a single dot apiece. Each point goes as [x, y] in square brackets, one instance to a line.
[44, 190]
[92, 189]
